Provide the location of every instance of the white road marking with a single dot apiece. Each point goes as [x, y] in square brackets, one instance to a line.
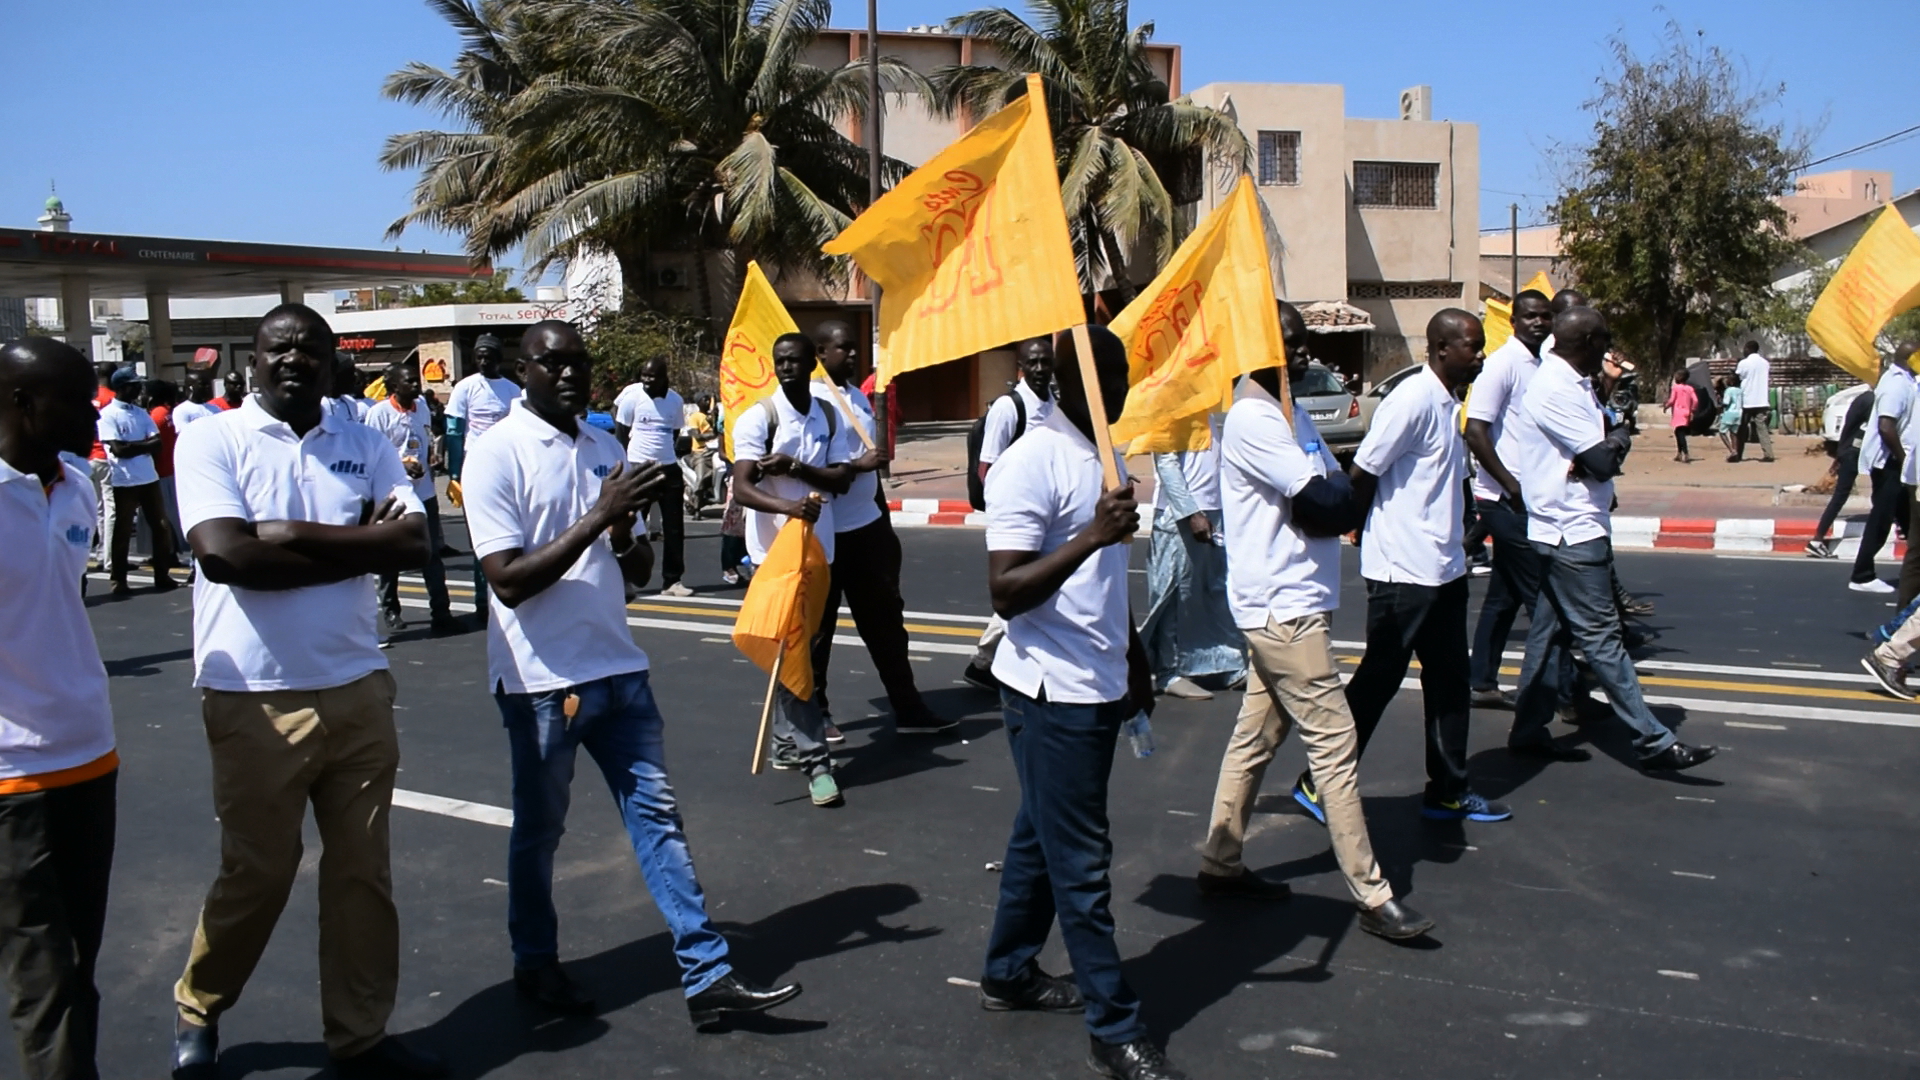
[1685, 873]
[1692, 798]
[871, 851]
[983, 787]
[1183, 813]
[1756, 727]
[1789, 712]
[1688, 975]
[453, 808]
[957, 981]
[1312, 1051]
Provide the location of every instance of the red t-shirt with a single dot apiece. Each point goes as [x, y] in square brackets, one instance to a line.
[163, 419]
[100, 401]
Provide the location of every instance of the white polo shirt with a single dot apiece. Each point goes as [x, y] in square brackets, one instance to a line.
[1414, 528]
[188, 411]
[481, 402]
[407, 430]
[1753, 370]
[1040, 495]
[860, 506]
[54, 712]
[1503, 378]
[1003, 421]
[525, 484]
[253, 467]
[121, 422]
[654, 421]
[1893, 396]
[1274, 571]
[1558, 419]
[807, 440]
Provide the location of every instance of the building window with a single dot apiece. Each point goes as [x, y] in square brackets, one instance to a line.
[1279, 158]
[1401, 185]
[1405, 290]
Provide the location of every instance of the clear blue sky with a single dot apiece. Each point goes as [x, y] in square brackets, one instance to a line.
[261, 119]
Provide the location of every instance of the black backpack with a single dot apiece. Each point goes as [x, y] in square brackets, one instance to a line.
[977, 434]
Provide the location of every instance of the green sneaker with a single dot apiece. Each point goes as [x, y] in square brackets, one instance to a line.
[823, 790]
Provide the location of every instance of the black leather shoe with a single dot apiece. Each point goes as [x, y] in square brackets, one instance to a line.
[1040, 992]
[1137, 1060]
[390, 1059]
[549, 987]
[1394, 921]
[1549, 751]
[447, 626]
[1496, 698]
[196, 1050]
[1677, 757]
[730, 995]
[1246, 884]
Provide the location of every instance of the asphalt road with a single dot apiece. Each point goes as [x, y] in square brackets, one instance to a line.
[1742, 920]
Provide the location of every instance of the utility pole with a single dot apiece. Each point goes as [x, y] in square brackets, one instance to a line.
[1513, 234]
[873, 196]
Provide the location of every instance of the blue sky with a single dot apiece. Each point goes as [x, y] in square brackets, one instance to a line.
[261, 119]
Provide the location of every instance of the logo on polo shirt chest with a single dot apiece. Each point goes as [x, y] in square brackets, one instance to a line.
[79, 534]
[602, 471]
[348, 468]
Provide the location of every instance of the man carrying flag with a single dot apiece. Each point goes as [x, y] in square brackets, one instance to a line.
[792, 447]
[553, 505]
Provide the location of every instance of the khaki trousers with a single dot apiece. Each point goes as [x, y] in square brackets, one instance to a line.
[273, 752]
[1294, 681]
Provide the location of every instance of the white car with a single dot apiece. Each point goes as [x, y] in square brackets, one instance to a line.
[1835, 413]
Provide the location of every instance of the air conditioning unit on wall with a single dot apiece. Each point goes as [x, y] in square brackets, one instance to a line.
[669, 277]
[1416, 103]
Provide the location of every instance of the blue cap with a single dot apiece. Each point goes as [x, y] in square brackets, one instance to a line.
[125, 376]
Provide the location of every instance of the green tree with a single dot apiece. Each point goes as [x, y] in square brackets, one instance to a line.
[493, 290]
[639, 126]
[1668, 216]
[1128, 156]
[621, 341]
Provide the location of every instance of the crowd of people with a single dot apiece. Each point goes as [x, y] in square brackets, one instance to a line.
[302, 504]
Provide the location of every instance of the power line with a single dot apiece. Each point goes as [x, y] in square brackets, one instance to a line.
[1863, 146]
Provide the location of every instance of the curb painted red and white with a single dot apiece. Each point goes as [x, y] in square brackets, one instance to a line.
[935, 512]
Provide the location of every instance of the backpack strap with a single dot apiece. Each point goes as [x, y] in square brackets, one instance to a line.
[773, 420]
[1020, 410]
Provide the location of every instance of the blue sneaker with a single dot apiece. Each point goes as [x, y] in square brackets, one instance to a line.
[1468, 807]
[1308, 798]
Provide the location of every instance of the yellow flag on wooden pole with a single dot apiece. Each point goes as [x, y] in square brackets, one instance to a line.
[1498, 323]
[746, 355]
[1879, 279]
[971, 250]
[1209, 317]
[783, 607]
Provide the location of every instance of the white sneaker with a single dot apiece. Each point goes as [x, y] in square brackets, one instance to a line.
[1874, 586]
[1182, 687]
[676, 589]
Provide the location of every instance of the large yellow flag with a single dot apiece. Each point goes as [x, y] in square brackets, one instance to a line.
[783, 607]
[1879, 279]
[1540, 284]
[1498, 323]
[1208, 317]
[971, 250]
[746, 356]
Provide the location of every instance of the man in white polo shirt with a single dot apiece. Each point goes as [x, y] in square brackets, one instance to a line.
[475, 404]
[403, 419]
[1011, 415]
[1883, 459]
[133, 481]
[58, 767]
[1286, 506]
[648, 416]
[1071, 672]
[1568, 460]
[1410, 471]
[291, 513]
[792, 463]
[1756, 404]
[554, 508]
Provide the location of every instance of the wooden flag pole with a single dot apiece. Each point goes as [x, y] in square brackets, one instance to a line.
[846, 409]
[1096, 405]
[1286, 395]
[766, 717]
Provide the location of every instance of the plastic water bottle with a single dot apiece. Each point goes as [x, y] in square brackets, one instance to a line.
[1140, 734]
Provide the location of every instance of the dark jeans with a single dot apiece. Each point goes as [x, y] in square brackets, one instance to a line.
[147, 500]
[1428, 621]
[620, 727]
[1515, 585]
[732, 550]
[1680, 439]
[673, 529]
[1576, 607]
[866, 571]
[435, 572]
[1890, 503]
[1057, 858]
[1846, 467]
[56, 855]
[1755, 426]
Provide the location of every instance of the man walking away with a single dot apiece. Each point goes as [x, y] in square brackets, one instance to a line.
[1409, 472]
[1883, 457]
[1071, 672]
[1568, 462]
[1011, 416]
[475, 404]
[132, 440]
[866, 551]
[555, 520]
[290, 512]
[98, 467]
[58, 767]
[1286, 506]
[403, 419]
[1756, 411]
[649, 422]
[1846, 466]
[801, 466]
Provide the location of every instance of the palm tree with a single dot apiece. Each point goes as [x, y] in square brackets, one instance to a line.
[1127, 155]
[642, 125]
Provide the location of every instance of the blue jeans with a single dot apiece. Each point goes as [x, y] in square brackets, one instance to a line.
[1057, 858]
[1576, 607]
[620, 726]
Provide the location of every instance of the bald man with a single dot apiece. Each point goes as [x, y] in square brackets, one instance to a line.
[866, 564]
[58, 767]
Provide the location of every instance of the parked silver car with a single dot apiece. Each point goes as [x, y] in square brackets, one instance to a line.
[1335, 412]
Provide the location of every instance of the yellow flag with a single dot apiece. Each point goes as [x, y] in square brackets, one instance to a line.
[1540, 284]
[971, 250]
[746, 355]
[376, 390]
[1208, 317]
[1879, 279]
[1498, 323]
[783, 607]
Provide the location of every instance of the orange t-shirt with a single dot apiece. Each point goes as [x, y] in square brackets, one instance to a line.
[100, 401]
